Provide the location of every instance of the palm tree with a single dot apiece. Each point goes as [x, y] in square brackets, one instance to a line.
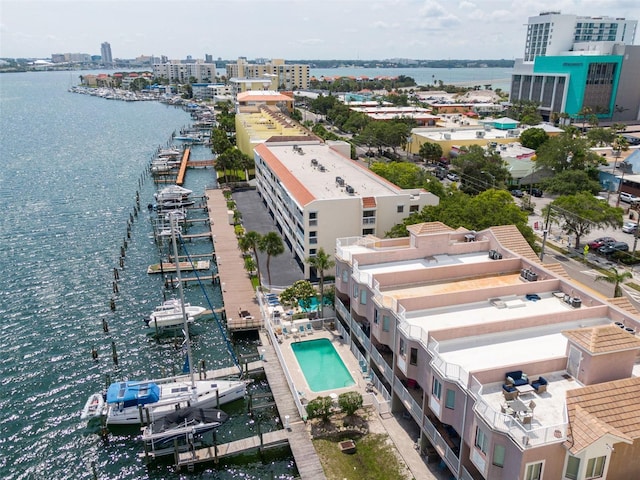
[321, 262]
[616, 278]
[272, 245]
[251, 241]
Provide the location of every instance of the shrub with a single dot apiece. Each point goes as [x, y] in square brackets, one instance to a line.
[350, 402]
[320, 407]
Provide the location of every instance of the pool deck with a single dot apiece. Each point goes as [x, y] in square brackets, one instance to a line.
[341, 347]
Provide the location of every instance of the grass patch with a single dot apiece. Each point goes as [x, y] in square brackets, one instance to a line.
[374, 459]
[255, 281]
[635, 286]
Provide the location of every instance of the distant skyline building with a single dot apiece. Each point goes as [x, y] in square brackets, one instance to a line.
[574, 64]
[105, 51]
[289, 76]
[176, 70]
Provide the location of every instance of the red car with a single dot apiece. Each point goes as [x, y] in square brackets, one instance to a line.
[601, 242]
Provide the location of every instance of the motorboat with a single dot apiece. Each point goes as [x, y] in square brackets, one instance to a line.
[161, 166]
[93, 408]
[170, 313]
[169, 152]
[172, 192]
[133, 403]
[184, 423]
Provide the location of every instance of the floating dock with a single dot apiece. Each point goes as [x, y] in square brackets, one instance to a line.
[184, 266]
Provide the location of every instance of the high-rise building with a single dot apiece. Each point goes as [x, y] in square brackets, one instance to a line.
[289, 76]
[105, 51]
[574, 64]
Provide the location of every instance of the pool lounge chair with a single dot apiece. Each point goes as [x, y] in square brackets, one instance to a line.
[301, 331]
[285, 332]
[309, 328]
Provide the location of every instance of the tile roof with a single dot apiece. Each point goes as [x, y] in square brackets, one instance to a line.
[295, 187]
[624, 303]
[605, 408]
[429, 227]
[510, 238]
[368, 202]
[603, 339]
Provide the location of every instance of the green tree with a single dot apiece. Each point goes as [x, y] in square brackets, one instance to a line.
[250, 265]
[251, 242]
[300, 293]
[350, 402]
[457, 209]
[600, 136]
[226, 161]
[570, 182]
[533, 137]
[321, 262]
[480, 170]
[430, 152]
[567, 152]
[219, 141]
[272, 245]
[615, 277]
[320, 407]
[579, 214]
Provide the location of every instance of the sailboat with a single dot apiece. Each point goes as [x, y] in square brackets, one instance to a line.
[136, 402]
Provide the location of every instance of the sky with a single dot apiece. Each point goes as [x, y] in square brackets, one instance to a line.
[289, 29]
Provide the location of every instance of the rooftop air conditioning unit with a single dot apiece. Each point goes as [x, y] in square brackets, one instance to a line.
[314, 162]
[321, 168]
[349, 189]
[480, 134]
[447, 136]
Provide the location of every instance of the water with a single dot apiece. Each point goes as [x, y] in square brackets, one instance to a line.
[467, 77]
[71, 167]
[321, 365]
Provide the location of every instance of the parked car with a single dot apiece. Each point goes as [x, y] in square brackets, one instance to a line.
[629, 227]
[536, 192]
[614, 247]
[453, 177]
[601, 242]
[628, 197]
[517, 193]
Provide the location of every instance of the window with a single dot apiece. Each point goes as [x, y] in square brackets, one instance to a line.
[368, 231]
[498, 455]
[413, 356]
[400, 208]
[573, 465]
[345, 275]
[313, 219]
[482, 441]
[375, 316]
[402, 347]
[595, 467]
[356, 290]
[363, 297]
[534, 471]
[414, 208]
[436, 388]
[450, 399]
[312, 252]
[385, 323]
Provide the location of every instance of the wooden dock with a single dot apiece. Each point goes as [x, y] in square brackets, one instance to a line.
[216, 452]
[183, 166]
[237, 292]
[184, 266]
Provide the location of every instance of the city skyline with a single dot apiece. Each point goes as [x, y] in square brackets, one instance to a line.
[347, 29]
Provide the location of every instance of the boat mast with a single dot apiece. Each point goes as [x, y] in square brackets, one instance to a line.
[174, 228]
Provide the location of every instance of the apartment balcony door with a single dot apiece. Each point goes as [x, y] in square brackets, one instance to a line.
[573, 363]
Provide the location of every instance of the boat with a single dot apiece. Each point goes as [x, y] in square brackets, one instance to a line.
[136, 402]
[183, 424]
[93, 408]
[169, 152]
[173, 191]
[170, 314]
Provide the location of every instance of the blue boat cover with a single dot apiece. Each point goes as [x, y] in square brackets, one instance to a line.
[133, 393]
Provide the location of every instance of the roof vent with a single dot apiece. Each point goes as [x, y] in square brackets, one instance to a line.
[322, 168]
[349, 189]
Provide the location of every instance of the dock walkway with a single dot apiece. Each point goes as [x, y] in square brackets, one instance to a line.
[183, 166]
[237, 291]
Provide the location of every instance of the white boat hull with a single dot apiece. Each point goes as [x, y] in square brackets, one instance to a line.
[177, 395]
[94, 407]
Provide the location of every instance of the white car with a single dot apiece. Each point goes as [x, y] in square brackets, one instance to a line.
[629, 227]
[628, 197]
[453, 177]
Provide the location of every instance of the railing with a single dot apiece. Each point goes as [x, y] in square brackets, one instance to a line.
[342, 310]
[465, 475]
[294, 391]
[440, 444]
[450, 371]
[414, 409]
[364, 340]
[522, 436]
[382, 364]
[361, 277]
[368, 220]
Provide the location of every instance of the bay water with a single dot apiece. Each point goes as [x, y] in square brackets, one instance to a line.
[71, 169]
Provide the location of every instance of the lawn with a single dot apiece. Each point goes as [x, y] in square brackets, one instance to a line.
[374, 459]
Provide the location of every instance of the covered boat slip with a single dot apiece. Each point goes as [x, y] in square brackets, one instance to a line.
[182, 423]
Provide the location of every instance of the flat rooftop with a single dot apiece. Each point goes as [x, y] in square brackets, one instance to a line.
[454, 134]
[322, 184]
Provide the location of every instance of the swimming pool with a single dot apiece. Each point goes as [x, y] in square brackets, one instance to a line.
[321, 365]
[313, 304]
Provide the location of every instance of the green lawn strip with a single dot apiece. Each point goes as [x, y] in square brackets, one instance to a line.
[373, 459]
